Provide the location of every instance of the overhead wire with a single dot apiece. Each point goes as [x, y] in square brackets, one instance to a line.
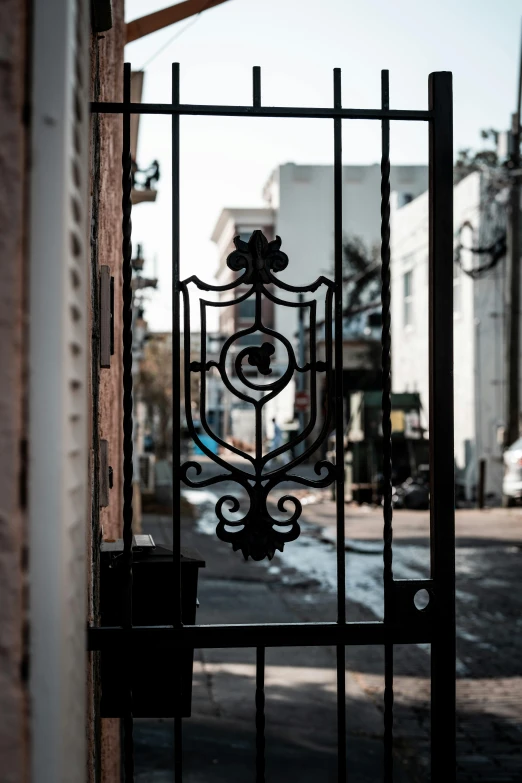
[176, 35]
[496, 249]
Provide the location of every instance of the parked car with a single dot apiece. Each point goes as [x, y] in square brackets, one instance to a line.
[414, 493]
[205, 439]
[512, 482]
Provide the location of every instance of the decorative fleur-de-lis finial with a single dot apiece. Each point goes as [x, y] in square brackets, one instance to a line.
[258, 256]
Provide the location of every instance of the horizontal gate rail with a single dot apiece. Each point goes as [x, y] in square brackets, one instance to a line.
[263, 111]
[259, 634]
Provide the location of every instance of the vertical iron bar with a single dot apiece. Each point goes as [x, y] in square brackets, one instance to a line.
[176, 357]
[176, 412]
[178, 748]
[257, 408]
[442, 494]
[256, 85]
[260, 715]
[339, 427]
[127, 414]
[386, 424]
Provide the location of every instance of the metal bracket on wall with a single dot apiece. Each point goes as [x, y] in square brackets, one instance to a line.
[105, 474]
[101, 15]
[106, 316]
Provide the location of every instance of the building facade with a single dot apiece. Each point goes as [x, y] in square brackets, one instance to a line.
[233, 417]
[300, 210]
[302, 200]
[479, 329]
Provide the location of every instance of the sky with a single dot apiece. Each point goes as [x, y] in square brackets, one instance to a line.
[297, 43]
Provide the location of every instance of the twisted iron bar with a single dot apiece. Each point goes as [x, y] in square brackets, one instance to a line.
[386, 426]
[386, 346]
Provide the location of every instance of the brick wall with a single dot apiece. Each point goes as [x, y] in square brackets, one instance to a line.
[106, 389]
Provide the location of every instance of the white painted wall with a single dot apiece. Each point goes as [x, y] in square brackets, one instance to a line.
[300, 202]
[304, 208]
[305, 217]
[409, 232]
[478, 333]
[230, 223]
[58, 399]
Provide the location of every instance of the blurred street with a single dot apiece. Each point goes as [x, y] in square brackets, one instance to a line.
[299, 586]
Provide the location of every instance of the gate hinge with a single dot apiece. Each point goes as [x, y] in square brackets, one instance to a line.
[106, 316]
[106, 477]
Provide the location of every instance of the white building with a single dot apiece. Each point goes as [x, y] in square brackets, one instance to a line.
[237, 416]
[478, 316]
[302, 198]
[300, 209]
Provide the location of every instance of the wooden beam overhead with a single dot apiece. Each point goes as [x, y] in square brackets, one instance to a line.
[167, 16]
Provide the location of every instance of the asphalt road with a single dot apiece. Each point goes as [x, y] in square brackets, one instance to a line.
[300, 585]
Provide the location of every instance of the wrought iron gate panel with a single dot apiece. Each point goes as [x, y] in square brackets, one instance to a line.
[258, 537]
[260, 260]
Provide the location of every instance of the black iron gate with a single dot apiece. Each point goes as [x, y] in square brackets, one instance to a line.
[258, 534]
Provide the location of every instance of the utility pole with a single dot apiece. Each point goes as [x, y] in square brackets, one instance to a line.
[512, 429]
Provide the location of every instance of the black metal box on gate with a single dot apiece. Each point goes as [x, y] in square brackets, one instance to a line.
[155, 671]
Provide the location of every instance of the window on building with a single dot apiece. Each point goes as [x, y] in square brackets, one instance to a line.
[408, 298]
[251, 339]
[375, 320]
[404, 198]
[247, 309]
[457, 288]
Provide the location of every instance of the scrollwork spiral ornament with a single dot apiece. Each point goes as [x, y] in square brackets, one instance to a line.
[254, 530]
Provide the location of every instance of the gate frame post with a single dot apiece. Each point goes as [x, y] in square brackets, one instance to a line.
[442, 470]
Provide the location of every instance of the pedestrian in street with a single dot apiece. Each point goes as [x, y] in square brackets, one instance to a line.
[277, 442]
[277, 438]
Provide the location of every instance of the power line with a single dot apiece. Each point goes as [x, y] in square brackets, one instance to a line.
[175, 36]
[496, 250]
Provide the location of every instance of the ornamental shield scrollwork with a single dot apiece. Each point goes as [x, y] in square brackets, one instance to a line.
[245, 367]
